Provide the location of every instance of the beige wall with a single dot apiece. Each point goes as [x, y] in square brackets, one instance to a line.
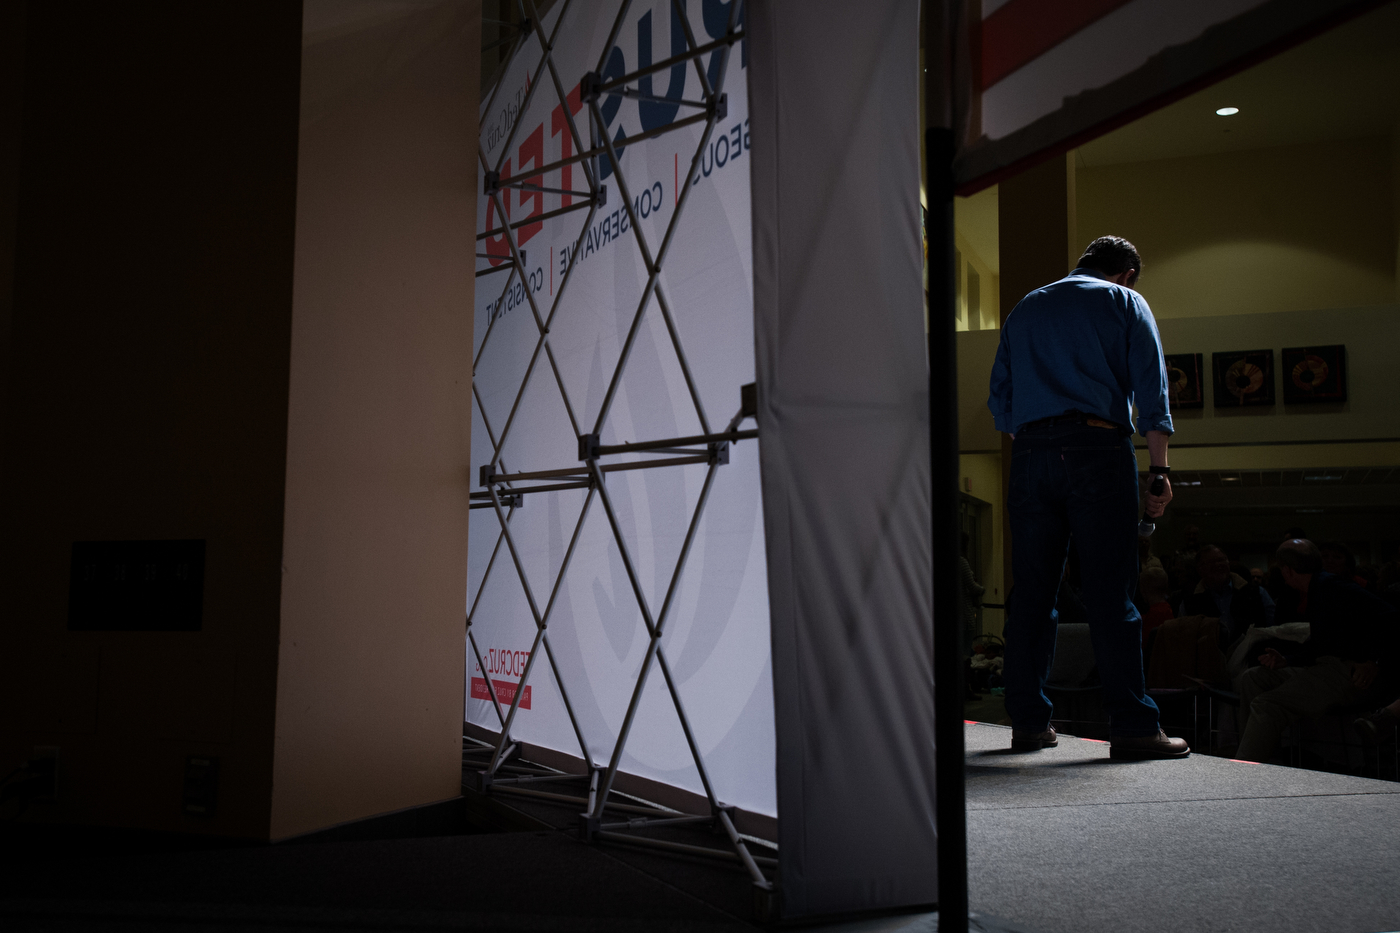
[370, 672]
[1286, 229]
[977, 432]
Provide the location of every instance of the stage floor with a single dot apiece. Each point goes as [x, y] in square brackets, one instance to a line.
[1066, 840]
[1060, 841]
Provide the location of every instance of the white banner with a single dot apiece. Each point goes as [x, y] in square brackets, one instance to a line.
[716, 637]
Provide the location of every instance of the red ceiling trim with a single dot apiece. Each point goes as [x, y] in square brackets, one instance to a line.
[1021, 31]
[1265, 52]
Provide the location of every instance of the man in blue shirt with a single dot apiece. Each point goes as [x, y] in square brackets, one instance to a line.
[1075, 357]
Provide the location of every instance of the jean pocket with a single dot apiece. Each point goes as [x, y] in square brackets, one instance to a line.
[1097, 474]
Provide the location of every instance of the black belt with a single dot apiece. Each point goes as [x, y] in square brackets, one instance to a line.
[1072, 417]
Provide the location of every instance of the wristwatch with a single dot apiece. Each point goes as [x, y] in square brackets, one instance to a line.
[1161, 470]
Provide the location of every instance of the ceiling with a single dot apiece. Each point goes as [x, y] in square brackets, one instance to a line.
[1344, 84]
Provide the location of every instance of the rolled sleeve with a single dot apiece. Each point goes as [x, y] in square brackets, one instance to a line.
[1000, 399]
[1148, 371]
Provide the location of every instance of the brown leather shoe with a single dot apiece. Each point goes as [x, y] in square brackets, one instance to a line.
[1144, 747]
[1033, 741]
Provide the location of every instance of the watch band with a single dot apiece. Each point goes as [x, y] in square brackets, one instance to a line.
[1162, 470]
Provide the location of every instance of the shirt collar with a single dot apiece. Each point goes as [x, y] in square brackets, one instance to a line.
[1094, 273]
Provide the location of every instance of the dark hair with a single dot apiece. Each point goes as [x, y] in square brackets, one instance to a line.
[1300, 555]
[1112, 255]
[1206, 551]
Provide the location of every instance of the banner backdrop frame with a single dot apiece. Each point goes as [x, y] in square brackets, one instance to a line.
[851, 618]
[598, 91]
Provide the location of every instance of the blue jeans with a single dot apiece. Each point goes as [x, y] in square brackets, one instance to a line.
[1066, 480]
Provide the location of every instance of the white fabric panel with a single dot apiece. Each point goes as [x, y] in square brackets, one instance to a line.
[1100, 53]
[843, 421]
[716, 638]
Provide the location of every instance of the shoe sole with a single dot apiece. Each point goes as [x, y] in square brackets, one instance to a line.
[1123, 754]
[1031, 745]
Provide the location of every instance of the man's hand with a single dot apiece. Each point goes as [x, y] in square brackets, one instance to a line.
[1363, 674]
[1156, 505]
[1157, 456]
[1272, 660]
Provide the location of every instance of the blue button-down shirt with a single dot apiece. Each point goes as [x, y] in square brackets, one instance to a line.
[1080, 344]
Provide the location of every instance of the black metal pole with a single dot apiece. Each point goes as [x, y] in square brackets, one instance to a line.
[951, 804]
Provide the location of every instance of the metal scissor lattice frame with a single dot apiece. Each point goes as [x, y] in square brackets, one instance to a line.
[504, 491]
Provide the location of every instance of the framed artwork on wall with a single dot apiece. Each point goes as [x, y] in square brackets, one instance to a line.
[1243, 378]
[1314, 374]
[1184, 387]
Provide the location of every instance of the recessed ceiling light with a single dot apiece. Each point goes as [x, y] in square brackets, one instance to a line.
[1227, 111]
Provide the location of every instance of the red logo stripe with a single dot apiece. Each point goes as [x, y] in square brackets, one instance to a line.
[505, 691]
[1023, 30]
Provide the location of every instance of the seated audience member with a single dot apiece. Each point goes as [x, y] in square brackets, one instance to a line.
[1190, 544]
[1146, 558]
[1226, 596]
[1152, 584]
[1283, 596]
[1337, 559]
[1258, 576]
[1351, 638]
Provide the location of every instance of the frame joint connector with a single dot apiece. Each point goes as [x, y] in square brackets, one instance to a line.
[588, 824]
[588, 446]
[492, 184]
[748, 400]
[488, 475]
[588, 86]
[718, 106]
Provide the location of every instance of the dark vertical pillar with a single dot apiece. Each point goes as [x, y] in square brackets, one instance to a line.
[11, 123]
[943, 441]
